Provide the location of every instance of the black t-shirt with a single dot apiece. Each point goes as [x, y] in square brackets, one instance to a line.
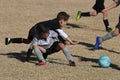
[51, 24]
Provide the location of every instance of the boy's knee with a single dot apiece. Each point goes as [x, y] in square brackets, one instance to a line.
[61, 45]
[105, 14]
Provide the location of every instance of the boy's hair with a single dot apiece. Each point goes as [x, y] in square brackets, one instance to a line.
[41, 29]
[63, 15]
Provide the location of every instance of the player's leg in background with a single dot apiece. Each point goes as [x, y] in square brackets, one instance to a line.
[85, 14]
[106, 22]
[16, 40]
[114, 33]
[99, 39]
[108, 36]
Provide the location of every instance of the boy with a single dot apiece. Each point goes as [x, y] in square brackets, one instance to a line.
[108, 36]
[46, 42]
[113, 5]
[97, 8]
[55, 24]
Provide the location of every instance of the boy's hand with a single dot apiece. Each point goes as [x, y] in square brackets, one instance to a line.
[71, 43]
[43, 50]
[74, 43]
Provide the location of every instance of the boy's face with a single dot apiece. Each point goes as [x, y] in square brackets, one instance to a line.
[63, 22]
[44, 35]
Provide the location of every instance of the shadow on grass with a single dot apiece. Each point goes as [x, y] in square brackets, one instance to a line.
[113, 66]
[91, 47]
[19, 56]
[73, 25]
[22, 57]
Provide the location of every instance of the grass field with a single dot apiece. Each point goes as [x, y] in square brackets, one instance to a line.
[18, 16]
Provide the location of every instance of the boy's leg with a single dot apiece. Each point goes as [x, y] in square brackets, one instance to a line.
[113, 33]
[16, 40]
[86, 14]
[108, 36]
[13, 40]
[107, 27]
[40, 56]
[68, 56]
[57, 46]
[106, 22]
[80, 14]
[99, 40]
[51, 50]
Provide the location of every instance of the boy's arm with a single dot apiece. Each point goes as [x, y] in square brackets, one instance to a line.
[71, 42]
[35, 44]
[110, 7]
[65, 36]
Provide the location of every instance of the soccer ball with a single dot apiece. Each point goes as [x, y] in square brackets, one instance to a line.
[104, 61]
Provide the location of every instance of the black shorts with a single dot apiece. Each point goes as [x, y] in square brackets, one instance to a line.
[118, 26]
[98, 8]
[53, 48]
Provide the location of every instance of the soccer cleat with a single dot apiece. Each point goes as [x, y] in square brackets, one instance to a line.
[78, 15]
[72, 63]
[47, 60]
[7, 41]
[109, 29]
[96, 46]
[41, 63]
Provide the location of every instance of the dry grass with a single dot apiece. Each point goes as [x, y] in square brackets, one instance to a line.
[18, 16]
